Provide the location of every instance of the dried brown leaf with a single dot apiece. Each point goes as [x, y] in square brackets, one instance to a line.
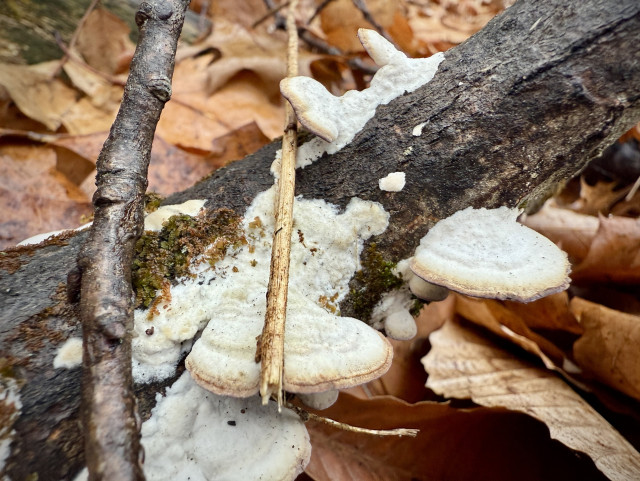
[195, 119]
[34, 196]
[36, 93]
[614, 254]
[502, 321]
[571, 231]
[171, 169]
[241, 49]
[463, 365]
[608, 349]
[104, 42]
[453, 444]
[341, 19]
[597, 199]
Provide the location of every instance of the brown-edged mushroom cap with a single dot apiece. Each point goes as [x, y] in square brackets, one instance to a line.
[487, 253]
[322, 351]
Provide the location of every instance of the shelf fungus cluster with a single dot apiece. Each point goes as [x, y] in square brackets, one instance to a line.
[323, 351]
[225, 302]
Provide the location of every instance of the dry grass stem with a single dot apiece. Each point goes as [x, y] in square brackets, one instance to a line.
[271, 344]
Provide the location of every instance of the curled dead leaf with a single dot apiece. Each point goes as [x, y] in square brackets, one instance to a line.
[463, 365]
[475, 444]
[608, 349]
[614, 254]
[37, 93]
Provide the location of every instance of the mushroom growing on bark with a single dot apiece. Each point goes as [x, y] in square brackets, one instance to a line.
[487, 253]
[322, 351]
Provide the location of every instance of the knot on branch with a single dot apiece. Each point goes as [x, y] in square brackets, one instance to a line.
[143, 14]
[164, 10]
[160, 87]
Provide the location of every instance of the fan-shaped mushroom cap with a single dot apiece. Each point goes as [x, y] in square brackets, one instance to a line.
[379, 48]
[336, 120]
[321, 350]
[487, 253]
[400, 325]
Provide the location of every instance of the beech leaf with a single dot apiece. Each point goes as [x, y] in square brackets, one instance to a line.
[463, 365]
[609, 347]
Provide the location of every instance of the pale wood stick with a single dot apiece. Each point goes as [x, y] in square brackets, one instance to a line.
[271, 343]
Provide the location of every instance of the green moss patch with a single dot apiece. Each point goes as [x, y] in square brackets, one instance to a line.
[375, 278]
[165, 256]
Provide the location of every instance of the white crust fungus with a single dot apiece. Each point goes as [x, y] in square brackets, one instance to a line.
[336, 120]
[193, 434]
[196, 435]
[69, 354]
[38, 238]
[417, 130]
[487, 253]
[394, 182]
[322, 351]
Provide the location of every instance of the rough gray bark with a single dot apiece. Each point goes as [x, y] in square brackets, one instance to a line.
[519, 107]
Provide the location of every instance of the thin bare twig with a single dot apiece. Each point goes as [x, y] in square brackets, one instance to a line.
[310, 39]
[112, 439]
[271, 344]
[74, 37]
[362, 6]
[306, 415]
[319, 10]
[73, 58]
[272, 12]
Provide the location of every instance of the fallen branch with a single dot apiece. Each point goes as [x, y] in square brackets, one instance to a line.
[517, 109]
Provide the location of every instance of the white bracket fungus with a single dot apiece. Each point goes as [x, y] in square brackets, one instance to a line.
[194, 434]
[400, 325]
[322, 351]
[394, 182]
[487, 253]
[336, 120]
[426, 290]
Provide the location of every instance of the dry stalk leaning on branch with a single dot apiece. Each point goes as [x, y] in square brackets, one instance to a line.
[271, 342]
[112, 439]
